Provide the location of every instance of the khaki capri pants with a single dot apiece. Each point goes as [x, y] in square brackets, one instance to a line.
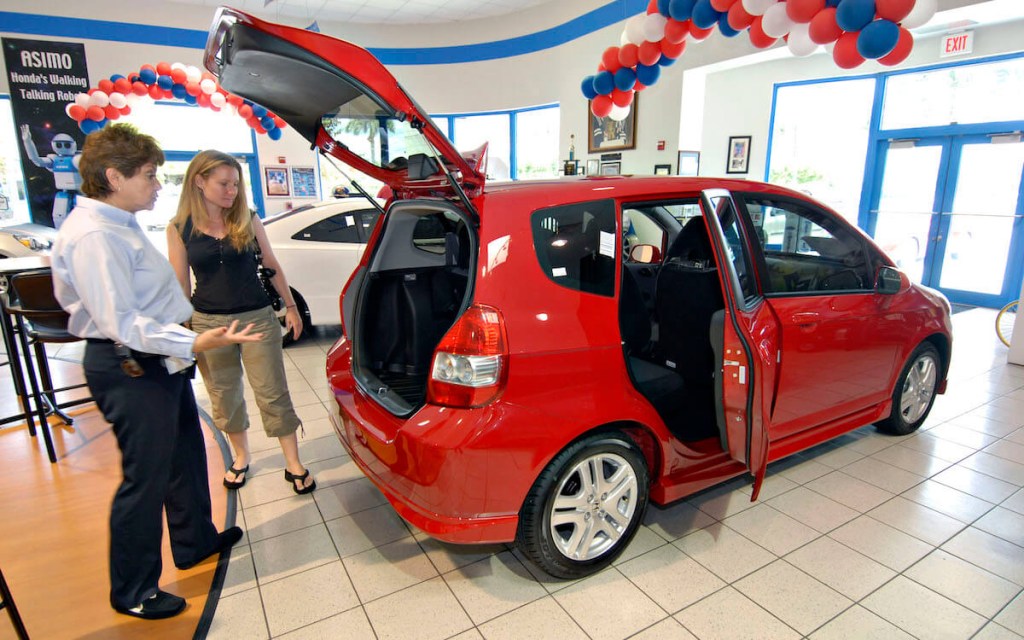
[264, 367]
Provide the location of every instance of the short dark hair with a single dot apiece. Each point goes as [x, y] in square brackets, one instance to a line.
[118, 146]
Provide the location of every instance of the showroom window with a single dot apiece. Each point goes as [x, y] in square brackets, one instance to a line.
[806, 251]
[523, 142]
[810, 122]
[575, 245]
[13, 203]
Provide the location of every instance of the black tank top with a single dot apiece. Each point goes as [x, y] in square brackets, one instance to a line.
[226, 280]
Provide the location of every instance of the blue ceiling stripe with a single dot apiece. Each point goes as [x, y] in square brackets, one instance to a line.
[611, 13]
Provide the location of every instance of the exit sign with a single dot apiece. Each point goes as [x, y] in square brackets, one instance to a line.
[956, 44]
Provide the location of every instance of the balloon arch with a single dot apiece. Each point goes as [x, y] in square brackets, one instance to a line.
[112, 98]
[855, 30]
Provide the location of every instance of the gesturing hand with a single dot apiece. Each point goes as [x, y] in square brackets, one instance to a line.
[223, 336]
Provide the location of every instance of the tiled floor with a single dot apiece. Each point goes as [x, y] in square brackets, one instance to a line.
[867, 536]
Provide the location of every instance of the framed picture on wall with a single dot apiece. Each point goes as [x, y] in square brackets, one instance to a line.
[738, 155]
[605, 134]
[689, 163]
[611, 168]
[277, 181]
[593, 167]
[662, 169]
[303, 182]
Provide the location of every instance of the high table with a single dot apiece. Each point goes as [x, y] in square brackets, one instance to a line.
[10, 267]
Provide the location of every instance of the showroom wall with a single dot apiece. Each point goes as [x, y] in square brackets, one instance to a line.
[736, 102]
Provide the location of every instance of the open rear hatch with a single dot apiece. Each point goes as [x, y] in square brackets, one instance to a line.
[343, 101]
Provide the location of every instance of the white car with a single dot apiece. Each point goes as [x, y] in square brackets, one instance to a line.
[26, 239]
[318, 246]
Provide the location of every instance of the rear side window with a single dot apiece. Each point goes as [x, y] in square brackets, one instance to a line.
[576, 245]
[341, 227]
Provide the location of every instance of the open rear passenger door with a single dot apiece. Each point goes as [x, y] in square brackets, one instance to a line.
[745, 339]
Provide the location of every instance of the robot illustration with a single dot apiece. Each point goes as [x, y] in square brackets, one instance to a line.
[63, 164]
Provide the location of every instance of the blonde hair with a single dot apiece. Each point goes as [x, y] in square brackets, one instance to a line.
[237, 219]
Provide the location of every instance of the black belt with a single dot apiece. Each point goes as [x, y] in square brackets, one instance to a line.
[134, 353]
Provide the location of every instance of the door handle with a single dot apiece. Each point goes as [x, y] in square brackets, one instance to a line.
[807, 317]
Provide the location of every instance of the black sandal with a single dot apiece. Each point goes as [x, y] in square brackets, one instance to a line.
[237, 484]
[301, 488]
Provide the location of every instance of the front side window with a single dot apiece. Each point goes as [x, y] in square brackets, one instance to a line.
[342, 227]
[807, 250]
[575, 245]
[736, 248]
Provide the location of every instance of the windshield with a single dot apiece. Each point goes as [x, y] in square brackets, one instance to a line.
[373, 134]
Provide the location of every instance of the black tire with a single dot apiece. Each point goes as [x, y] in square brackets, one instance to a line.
[914, 394]
[307, 324]
[562, 488]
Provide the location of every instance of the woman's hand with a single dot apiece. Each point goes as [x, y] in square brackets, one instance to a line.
[293, 321]
[223, 336]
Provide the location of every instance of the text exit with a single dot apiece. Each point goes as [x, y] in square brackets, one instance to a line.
[957, 44]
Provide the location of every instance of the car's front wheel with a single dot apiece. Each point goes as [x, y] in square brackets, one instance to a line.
[585, 506]
[914, 394]
[307, 324]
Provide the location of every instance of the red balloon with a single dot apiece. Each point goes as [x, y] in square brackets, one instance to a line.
[700, 34]
[738, 17]
[208, 76]
[179, 76]
[77, 112]
[148, 66]
[803, 10]
[125, 110]
[721, 6]
[192, 88]
[758, 37]
[676, 31]
[234, 99]
[629, 54]
[163, 69]
[902, 50]
[139, 88]
[155, 91]
[823, 28]
[203, 100]
[95, 113]
[622, 98]
[650, 52]
[639, 87]
[600, 67]
[601, 106]
[652, 7]
[610, 59]
[894, 10]
[245, 111]
[845, 52]
[672, 50]
[279, 121]
[111, 112]
[106, 86]
[123, 85]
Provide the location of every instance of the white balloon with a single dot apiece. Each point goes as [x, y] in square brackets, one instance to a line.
[618, 113]
[82, 100]
[800, 43]
[99, 99]
[776, 22]
[922, 12]
[654, 27]
[635, 29]
[757, 7]
[208, 86]
[218, 100]
[193, 74]
[118, 100]
[623, 38]
[178, 65]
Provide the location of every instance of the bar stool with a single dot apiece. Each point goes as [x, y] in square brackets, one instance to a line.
[41, 320]
[7, 602]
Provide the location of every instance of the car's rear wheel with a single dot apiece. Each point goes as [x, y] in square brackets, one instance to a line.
[307, 324]
[914, 394]
[585, 507]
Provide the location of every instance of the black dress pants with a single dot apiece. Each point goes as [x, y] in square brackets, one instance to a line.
[163, 460]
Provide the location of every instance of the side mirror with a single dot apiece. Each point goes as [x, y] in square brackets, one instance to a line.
[889, 281]
[645, 254]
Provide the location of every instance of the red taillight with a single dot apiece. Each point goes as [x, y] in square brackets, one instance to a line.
[471, 363]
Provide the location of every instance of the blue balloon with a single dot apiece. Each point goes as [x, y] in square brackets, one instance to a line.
[854, 15]
[704, 15]
[268, 123]
[604, 83]
[116, 77]
[88, 126]
[587, 87]
[164, 82]
[625, 78]
[878, 39]
[274, 134]
[832, 3]
[190, 99]
[148, 76]
[681, 9]
[725, 28]
[179, 91]
[665, 61]
[258, 110]
[647, 75]
[663, 8]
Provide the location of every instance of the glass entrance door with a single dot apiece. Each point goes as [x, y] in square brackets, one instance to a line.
[948, 211]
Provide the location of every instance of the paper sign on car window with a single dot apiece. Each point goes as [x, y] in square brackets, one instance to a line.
[350, 221]
[607, 244]
[558, 272]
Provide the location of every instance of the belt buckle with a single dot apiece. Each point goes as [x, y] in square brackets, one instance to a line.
[129, 364]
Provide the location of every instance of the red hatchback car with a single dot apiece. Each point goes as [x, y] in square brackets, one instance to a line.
[534, 361]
